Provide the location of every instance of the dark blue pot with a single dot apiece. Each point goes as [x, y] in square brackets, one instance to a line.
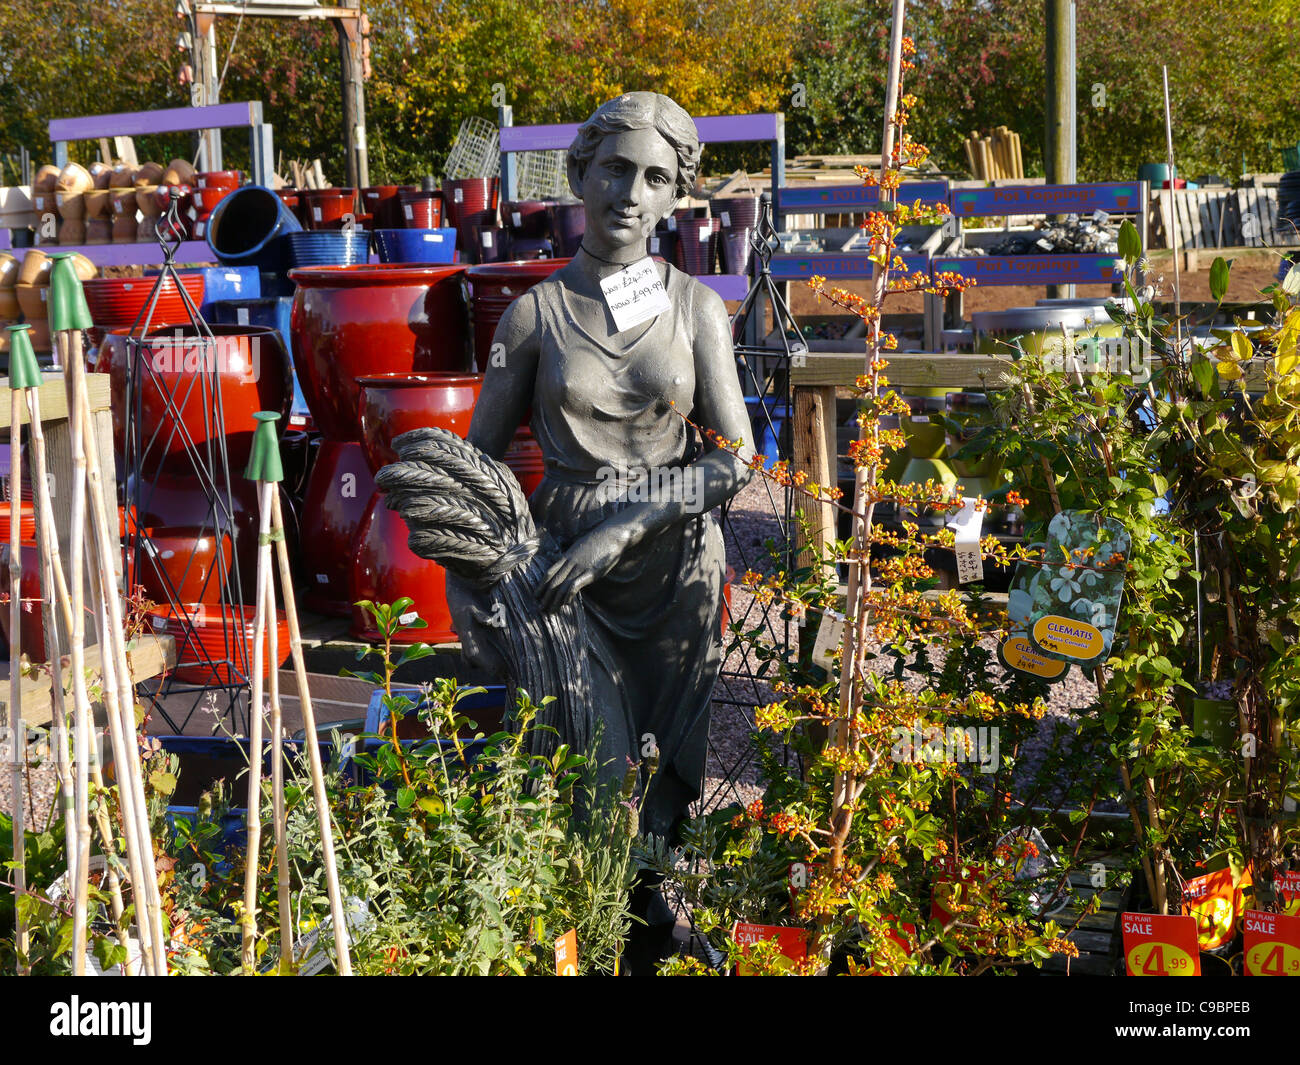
[416, 245]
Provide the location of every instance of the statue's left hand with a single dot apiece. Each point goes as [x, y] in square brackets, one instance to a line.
[588, 559]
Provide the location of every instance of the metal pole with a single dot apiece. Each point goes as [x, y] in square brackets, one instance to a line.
[1060, 118]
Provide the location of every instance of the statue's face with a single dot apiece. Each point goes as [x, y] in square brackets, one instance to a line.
[629, 185]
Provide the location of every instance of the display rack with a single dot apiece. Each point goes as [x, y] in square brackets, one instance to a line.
[1128, 198]
[712, 129]
[247, 114]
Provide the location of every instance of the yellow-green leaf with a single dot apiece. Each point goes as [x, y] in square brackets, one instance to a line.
[1241, 347]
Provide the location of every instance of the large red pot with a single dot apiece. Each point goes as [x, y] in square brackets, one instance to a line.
[178, 398]
[338, 489]
[182, 565]
[355, 320]
[493, 287]
[384, 569]
[394, 403]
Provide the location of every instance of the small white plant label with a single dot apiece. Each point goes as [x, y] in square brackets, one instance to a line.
[968, 523]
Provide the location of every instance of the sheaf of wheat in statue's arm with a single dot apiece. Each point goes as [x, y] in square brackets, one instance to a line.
[609, 581]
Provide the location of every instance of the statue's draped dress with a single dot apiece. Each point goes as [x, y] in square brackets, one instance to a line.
[653, 622]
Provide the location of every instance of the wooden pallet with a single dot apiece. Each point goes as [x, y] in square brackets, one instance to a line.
[1098, 935]
[1221, 218]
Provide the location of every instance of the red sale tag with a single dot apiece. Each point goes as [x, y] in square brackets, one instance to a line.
[1157, 945]
[1288, 887]
[1272, 944]
[791, 942]
[566, 954]
[1211, 900]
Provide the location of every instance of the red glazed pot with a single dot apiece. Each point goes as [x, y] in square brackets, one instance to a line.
[214, 645]
[383, 201]
[524, 459]
[392, 404]
[384, 569]
[493, 287]
[323, 206]
[218, 179]
[26, 517]
[116, 302]
[338, 490]
[418, 210]
[181, 565]
[355, 320]
[177, 390]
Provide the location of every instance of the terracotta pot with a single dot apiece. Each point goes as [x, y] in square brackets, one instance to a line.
[338, 490]
[9, 310]
[350, 320]
[123, 203]
[146, 199]
[85, 267]
[123, 177]
[40, 334]
[215, 645]
[101, 174]
[178, 172]
[148, 175]
[72, 231]
[98, 203]
[35, 269]
[182, 564]
[176, 394]
[146, 230]
[46, 178]
[32, 627]
[71, 205]
[392, 404]
[8, 270]
[31, 300]
[493, 287]
[384, 569]
[99, 231]
[124, 227]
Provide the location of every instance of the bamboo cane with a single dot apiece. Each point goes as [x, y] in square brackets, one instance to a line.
[278, 815]
[69, 315]
[248, 920]
[344, 963]
[23, 374]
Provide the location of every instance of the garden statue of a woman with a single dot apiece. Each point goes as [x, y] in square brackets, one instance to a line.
[628, 483]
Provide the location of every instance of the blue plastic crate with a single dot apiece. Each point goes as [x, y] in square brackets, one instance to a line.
[226, 283]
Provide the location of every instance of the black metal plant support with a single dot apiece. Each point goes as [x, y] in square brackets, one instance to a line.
[198, 384]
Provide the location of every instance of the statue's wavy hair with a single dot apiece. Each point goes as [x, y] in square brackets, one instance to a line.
[640, 110]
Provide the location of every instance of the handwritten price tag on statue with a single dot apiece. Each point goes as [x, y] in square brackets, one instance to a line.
[1272, 944]
[635, 295]
[566, 954]
[1158, 945]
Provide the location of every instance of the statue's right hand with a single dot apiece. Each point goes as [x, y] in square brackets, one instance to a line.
[473, 624]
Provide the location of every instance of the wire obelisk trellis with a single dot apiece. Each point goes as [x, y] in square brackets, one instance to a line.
[764, 373]
[150, 461]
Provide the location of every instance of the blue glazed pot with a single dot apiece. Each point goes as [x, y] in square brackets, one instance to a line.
[328, 247]
[415, 245]
[243, 228]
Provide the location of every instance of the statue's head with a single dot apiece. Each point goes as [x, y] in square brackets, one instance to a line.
[631, 162]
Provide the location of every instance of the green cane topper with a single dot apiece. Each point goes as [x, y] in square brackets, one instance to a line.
[68, 307]
[24, 371]
[264, 463]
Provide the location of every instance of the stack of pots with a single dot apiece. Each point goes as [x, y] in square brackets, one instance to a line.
[69, 199]
[493, 287]
[194, 544]
[471, 208]
[384, 567]
[123, 212]
[44, 204]
[118, 302]
[32, 289]
[210, 188]
[99, 205]
[697, 244]
[737, 216]
[348, 322]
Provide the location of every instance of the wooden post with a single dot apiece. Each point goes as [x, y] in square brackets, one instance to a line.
[354, 107]
[1059, 112]
[814, 413]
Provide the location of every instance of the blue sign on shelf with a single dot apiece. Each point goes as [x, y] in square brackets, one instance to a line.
[1115, 197]
[797, 267]
[1034, 269]
[829, 199]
